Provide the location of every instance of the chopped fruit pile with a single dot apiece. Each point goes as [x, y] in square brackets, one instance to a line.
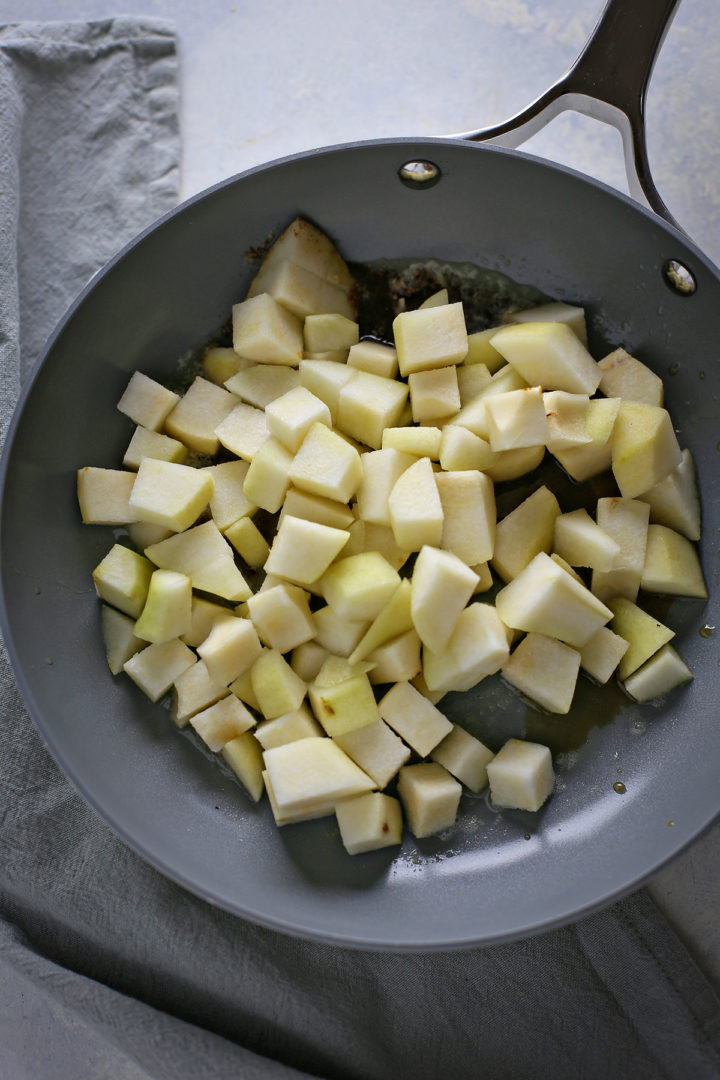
[355, 480]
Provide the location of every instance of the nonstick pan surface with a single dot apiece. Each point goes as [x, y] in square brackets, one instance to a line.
[497, 875]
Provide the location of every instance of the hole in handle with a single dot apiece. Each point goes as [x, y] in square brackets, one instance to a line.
[679, 278]
[419, 174]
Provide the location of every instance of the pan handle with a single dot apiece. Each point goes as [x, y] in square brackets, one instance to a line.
[608, 82]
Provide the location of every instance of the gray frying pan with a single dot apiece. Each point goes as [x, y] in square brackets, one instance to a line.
[643, 283]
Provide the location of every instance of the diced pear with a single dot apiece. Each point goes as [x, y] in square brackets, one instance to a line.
[143, 533]
[397, 660]
[196, 689]
[231, 647]
[249, 542]
[381, 468]
[422, 687]
[324, 511]
[242, 688]
[381, 538]
[199, 411]
[374, 357]
[434, 393]
[219, 364]
[311, 772]
[264, 330]
[625, 377]
[415, 719]
[300, 291]
[147, 443]
[303, 550]
[473, 415]
[593, 458]
[471, 380]
[146, 402]
[675, 500]
[416, 514]
[469, 514]
[544, 599]
[338, 669]
[336, 633]
[550, 355]
[582, 542]
[243, 431]
[268, 477]
[672, 565]
[644, 447]
[119, 639]
[626, 522]
[325, 379]
[307, 660]
[228, 501]
[326, 465]
[329, 331]
[369, 822]
[156, 668]
[206, 557]
[460, 449]
[663, 672]
[203, 615]
[277, 688]
[168, 494]
[480, 351]
[418, 441]
[600, 656]
[442, 585]
[465, 757]
[104, 495]
[281, 616]
[521, 775]
[567, 416]
[485, 578]
[291, 416]
[301, 812]
[430, 338]
[510, 464]
[524, 532]
[555, 311]
[221, 722]
[376, 749]
[544, 670]
[262, 384]
[122, 579]
[436, 299]
[244, 756]
[359, 587]
[516, 419]
[477, 648]
[308, 246]
[367, 405]
[644, 634]
[168, 607]
[299, 724]
[430, 798]
[393, 619]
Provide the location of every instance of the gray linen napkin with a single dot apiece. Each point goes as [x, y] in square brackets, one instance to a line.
[107, 969]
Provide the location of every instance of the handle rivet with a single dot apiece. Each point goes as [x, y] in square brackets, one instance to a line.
[679, 278]
[419, 174]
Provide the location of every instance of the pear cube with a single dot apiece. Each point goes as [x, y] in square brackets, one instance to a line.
[644, 634]
[672, 566]
[325, 379]
[199, 411]
[277, 688]
[156, 668]
[228, 502]
[521, 775]
[322, 333]
[511, 464]
[516, 419]
[243, 431]
[374, 357]
[430, 798]
[281, 616]
[675, 500]
[424, 441]
[146, 402]
[600, 656]
[219, 364]
[291, 416]
[326, 465]
[478, 648]
[335, 633]
[544, 670]
[625, 377]
[168, 607]
[359, 586]
[661, 673]
[415, 719]
[118, 634]
[555, 311]
[263, 330]
[369, 822]
[644, 447]
[122, 579]
[344, 705]
[306, 245]
[550, 355]
[480, 351]
[471, 380]
[244, 756]
[465, 757]
[231, 648]
[303, 550]
[524, 532]
[461, 449]
[262, 384]
[104, 495]
[367, 405]
[268, 477]
[300, 291]
[582, 462]
[434, 393]
[380, 470]
[147, 443]
[430, 338]
[393, 619]
[467, 498]
[416, 513]
[206, 557]
[376, 749]
[567, 416]
[626, 522]
[442, 585]
[196, 689]
[579, 540]
[291, 726]
[221, 722]
[249, 542]
[545, 599]
[397, 660]
[311, 772]
[307, 659]
[317, 508]
[165, 493]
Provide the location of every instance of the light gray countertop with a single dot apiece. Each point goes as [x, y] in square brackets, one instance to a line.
[260, 81]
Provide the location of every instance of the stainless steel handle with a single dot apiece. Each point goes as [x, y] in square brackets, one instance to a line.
[608, 82]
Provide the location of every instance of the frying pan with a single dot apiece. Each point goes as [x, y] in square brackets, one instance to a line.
[496, 875]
